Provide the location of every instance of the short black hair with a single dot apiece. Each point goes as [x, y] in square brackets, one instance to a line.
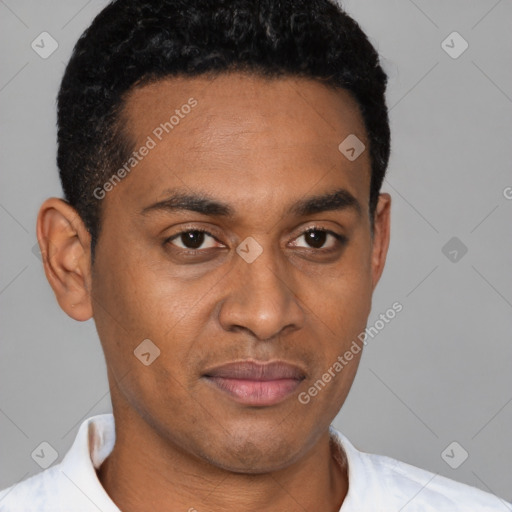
[134, 42]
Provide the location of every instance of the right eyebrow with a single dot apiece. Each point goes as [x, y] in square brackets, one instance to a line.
[199, 203]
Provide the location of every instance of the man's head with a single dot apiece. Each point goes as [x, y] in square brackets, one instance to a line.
[133, 42]
[241, 108]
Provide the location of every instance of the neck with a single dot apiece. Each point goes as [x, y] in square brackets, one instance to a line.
[156, 475]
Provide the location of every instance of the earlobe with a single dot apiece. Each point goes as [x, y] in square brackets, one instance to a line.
[381, 237]
[65, 249]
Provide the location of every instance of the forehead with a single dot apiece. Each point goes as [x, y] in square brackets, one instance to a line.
[247, 102]
[244, 132]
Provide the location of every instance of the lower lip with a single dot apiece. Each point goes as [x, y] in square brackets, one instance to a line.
[256, 392]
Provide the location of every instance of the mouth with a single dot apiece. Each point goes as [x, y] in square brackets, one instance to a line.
[255, 383]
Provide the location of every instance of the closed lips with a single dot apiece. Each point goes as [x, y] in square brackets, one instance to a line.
[250, 370]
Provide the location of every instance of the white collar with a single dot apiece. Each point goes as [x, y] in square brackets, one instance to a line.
[93, 443]
[96, 437]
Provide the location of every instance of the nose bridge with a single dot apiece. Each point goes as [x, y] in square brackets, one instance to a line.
[261, 297]
[264, 277]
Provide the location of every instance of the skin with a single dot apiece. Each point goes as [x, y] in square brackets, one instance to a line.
[259, 146]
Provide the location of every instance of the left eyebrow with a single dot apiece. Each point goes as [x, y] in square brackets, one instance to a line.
[340, 199]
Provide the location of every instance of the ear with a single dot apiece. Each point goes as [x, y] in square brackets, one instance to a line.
[65, 249]
[381, 235]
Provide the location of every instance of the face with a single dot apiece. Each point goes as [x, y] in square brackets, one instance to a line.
[265, 257]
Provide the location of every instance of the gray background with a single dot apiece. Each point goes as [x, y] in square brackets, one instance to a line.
[439, 372]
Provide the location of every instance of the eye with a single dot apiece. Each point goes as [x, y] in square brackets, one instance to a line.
[192, 240]
[317, 237]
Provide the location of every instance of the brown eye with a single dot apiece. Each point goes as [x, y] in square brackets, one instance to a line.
[316, 238]
[192, 239]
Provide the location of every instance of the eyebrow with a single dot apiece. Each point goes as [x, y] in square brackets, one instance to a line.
[340, 199]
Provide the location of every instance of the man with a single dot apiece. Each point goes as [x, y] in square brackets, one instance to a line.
[223, 225]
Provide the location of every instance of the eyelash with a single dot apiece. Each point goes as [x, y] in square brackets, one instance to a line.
[342, 240]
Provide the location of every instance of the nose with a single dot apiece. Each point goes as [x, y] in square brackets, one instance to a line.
[261, 298]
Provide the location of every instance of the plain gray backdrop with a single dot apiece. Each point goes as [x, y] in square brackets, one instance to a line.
[438, 373]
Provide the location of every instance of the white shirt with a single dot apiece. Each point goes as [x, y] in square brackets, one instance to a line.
[376, 483]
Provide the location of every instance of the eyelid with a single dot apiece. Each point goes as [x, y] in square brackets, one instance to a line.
[316, 227]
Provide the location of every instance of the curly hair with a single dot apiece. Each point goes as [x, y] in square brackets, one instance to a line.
[133, 42]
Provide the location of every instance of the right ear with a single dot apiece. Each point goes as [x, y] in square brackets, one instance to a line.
[65, 250]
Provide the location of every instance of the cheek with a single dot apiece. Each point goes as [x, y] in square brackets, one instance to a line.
[142, 301]
[339, 307]
[140, 298]
[134, 305]
[342, 298]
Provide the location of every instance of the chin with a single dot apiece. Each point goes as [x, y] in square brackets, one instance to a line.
[255, 453]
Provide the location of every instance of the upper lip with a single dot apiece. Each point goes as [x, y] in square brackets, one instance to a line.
[259, 371]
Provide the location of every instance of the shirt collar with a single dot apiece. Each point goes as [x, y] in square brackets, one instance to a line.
[93, 443]
[96, 437]
[358, 464]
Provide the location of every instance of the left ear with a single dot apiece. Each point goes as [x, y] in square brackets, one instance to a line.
[381, 235]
